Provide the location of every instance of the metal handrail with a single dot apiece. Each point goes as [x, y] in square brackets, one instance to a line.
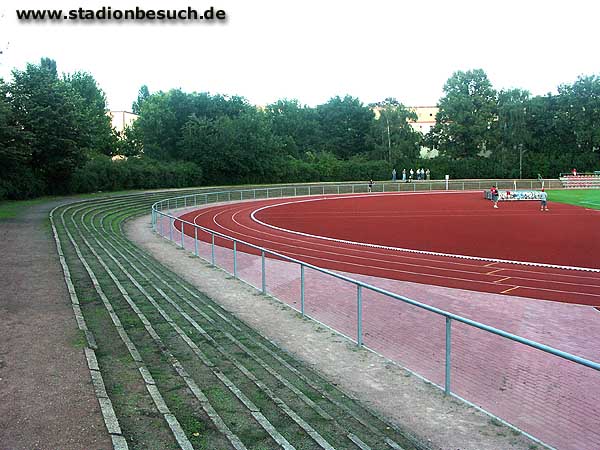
[359, 284]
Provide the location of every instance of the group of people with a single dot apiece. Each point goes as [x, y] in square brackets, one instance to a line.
[407, 177]
[543, 198]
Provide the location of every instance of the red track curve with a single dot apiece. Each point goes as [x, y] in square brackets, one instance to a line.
[458, 223]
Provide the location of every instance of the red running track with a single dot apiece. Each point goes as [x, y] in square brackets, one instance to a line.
[363, 234]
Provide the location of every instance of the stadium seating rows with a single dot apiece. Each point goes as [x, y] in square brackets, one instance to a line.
[581, 181]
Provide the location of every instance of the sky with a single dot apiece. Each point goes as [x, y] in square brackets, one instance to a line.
[313, 50]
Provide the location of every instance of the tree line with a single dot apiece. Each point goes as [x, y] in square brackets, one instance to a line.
[56, 138]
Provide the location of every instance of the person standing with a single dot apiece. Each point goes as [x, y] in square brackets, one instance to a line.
[410, 175]
[371, 185]
[495, 195]
[544, 200]
[428, 174]
[404, 175]
[394, 175]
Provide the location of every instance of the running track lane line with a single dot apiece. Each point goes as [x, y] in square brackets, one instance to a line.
[562, 292]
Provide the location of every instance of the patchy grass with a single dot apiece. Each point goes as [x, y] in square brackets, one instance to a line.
[143, 426]
[12, 209]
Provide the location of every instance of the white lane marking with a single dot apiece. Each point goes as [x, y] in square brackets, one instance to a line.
[278, 244]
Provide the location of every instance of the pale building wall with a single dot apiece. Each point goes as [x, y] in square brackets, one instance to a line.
[425, 118]
[121, 119]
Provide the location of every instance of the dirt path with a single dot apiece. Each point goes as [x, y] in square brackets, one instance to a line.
[46, 396]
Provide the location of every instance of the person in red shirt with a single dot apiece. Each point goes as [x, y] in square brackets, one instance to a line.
[495, 195]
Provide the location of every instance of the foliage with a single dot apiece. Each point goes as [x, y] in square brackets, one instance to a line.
[95, 130]
[580, 108]
[100, 173]
[393, 136]
[465, 117]
[55, 136]
[238, 149]
[143, 94]
[344, 124]
[47, 111]
[296, 126]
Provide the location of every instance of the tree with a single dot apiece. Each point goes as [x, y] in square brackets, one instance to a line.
[398, 139]
[46, 109]
[95, 130]
[15, 154]
[514, 134]
[345, 124]
[159, 126]
[163, 116]
[466, 116]
[297, 126]
[580, 106]
[231, 149]
[13, 144]
[143, 94]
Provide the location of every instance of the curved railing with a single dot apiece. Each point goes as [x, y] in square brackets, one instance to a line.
[170, 226]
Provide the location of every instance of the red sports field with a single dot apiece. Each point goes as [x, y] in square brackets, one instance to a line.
[447, 239]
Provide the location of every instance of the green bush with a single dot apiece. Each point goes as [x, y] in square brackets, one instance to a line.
[102, 174]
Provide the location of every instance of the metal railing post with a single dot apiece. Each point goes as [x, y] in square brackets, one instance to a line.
[295, 191]
[212, 249]
[234, 259]
[196, 241]
[302, 289]
[359, 336]
[182, 235]
[338, 188]
[264, 273]
[448, 354]
[161, 225]
[170, 228]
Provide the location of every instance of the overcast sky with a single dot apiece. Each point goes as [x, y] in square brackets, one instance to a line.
[312, 50]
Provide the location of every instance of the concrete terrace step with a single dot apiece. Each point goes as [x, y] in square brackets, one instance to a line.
[171, 312]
